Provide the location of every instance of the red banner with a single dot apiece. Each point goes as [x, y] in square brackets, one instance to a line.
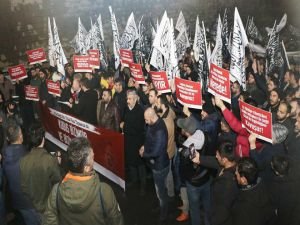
[108, 146]
[31, 93]
[36, 56]
[188, 93]
[82, 63]
[219, 82]
[257, 121]
[137, 73]
[17, 72]
[160, 81]
[94, 58]
[126, 57]
[53, 87]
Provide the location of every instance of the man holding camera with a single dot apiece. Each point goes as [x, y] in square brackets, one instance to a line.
[197, 177]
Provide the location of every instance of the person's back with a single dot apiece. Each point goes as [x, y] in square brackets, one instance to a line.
[80, 198]
[39, 171]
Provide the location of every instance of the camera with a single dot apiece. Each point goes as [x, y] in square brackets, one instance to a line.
[189, 152]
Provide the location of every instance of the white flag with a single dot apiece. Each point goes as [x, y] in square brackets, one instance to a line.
[279, 27]
[180, 24]
[162, 40]
[197, 40]
[99, 20]
[51, 49]
[78, 42]
[60, 57]
[130, 34]
[239, 42]
[171, 61]
[116, 44]
[157, 59]
[216, 56]
[182, 43]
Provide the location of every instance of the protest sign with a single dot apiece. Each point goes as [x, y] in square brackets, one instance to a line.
[36, 56]
[82, 63]
[31, 93]
[160, 81]
[53, 87]
[137, 73]
[17, 72]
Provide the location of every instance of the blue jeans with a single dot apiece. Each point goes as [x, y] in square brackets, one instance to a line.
[31, 216]
[159, 177]
[197, 196]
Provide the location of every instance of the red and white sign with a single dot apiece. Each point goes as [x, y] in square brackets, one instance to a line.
[17, 72]
[94, 58]
[160, 81]
[36, 56]
[126, 57]
[219, 82]
[257, 121]
[188, 93]
[53, 87]
[31, 93]
[82, 63]
[108, 145]
[137, 73]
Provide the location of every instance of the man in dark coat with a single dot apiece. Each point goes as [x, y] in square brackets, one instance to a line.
[224, 188]
[11, 166]
[86, 109]
[107, 112]
[155, 152]
[253, 204]
[133, 128]
[284, 189]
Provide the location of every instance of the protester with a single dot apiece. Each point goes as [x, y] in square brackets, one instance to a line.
[80, 197]
[39, 170]
[107, 112]
[154, 151]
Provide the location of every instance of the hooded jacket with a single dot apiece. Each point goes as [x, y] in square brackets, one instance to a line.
[82, 200]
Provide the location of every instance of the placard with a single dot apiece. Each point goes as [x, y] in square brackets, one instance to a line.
[126, 57]
[53, 87]
[17, 72]
[82, 63]
[36, 56]
[94, 58]
[160, 81]
[31, 93]
[137, 73]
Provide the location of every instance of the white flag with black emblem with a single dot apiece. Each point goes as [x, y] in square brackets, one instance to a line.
[130, 34]
[239, 42]
[51, 49]
[116, 44]
[60, 57]
[78, 42]
[216, 55]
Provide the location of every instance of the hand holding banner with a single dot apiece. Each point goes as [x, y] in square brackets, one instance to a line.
[256, 121]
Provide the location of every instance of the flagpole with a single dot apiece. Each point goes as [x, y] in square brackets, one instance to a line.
[150, 55]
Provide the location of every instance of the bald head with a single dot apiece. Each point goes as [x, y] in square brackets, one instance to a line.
[150, 116]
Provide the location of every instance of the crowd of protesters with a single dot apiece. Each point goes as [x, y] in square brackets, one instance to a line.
[222, 173]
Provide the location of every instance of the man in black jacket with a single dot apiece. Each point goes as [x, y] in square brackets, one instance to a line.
[253, 205]
[86, 109]
[155, 152]
[224, 188]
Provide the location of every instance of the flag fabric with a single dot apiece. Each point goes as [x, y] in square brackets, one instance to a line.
[116, 45]
[161, 41]
[273, 52]
[258, 49]
[200, 53]
[130, 34]
[180, 24]
[51, 48]
[225, 36]
[252, 31]
[216, 56]
[171, 62]
[78, 42]
[280, 26]
[182, 43]
[143, 45]
[60, 57]
[157, 59]
[101, 44]
[239, 42]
